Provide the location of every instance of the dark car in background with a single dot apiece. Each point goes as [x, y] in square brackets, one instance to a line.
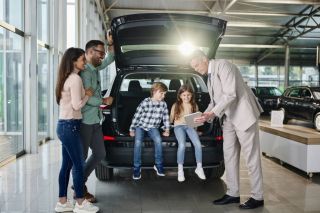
[147, 51]
[267, 97]
[302, 103]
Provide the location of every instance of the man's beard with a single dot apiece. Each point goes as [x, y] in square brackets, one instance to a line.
[97, 62]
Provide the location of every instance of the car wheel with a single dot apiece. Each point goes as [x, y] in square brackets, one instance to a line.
[285, 118]
[104, 173]
[317, 121]
[215, 172]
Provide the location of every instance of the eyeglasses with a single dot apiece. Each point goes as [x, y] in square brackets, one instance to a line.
[99, 51]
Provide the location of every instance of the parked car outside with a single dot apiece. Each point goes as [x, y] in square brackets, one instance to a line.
[302, 103]
[146, 51]
[267, 97]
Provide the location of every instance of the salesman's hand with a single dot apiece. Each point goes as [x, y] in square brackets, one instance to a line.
[131, 133]
[206, 116]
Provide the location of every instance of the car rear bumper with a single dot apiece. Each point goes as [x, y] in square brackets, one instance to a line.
[122, 157]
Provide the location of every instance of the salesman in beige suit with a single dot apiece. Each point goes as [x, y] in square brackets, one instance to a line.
[231, 97]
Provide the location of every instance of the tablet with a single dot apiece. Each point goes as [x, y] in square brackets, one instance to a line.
[190, 119]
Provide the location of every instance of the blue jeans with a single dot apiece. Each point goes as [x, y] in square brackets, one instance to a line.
[68, 132]
[181, 131]
[154, 134]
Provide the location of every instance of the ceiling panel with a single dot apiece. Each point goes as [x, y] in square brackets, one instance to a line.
[250, 23]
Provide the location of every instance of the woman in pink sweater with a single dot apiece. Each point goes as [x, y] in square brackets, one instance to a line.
[71, 97]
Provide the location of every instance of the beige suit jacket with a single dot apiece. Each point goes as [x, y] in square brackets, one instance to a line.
[231, 96]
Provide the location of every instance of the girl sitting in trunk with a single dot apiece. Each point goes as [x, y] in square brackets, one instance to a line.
[185, 105]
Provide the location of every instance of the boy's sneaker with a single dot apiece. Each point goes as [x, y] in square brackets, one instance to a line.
[159, 170]
[136, 173]
[85, 207]
[181, 176]
[200, 173]
[66, 207]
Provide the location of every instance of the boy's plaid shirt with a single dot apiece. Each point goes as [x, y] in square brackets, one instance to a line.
[149, 115]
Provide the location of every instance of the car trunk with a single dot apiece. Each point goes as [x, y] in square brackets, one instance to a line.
[129, 98]
[164, 39]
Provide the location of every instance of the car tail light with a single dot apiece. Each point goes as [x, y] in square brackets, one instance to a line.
[219, 138]
[104, 107]
[108, 138]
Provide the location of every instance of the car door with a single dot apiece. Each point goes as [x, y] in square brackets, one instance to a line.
[291, 103]
[305, 105]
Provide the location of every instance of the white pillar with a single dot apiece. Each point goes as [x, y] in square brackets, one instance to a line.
[286, 67]
[31, 93]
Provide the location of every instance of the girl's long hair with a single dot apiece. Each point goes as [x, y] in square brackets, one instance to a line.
[178, 105]
[66, 67]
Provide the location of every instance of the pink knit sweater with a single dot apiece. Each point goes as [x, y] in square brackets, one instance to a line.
[73, 98]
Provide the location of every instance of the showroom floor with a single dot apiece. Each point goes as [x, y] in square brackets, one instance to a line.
[30, 184]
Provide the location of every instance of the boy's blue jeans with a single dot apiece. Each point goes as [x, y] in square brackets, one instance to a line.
[180, 132]
[154, 134]
[68, 132]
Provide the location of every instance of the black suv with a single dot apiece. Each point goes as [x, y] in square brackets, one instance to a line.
[147, 51]
[267, 97]
[302, 103]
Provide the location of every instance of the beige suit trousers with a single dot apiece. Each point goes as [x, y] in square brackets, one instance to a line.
[247, 141]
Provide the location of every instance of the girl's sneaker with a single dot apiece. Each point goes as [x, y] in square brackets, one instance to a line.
[85, 207]
[181, 176]
[66, 207]
[200, 173]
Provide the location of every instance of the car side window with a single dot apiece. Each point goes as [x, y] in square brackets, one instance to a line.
[306, 93]
[294, 93]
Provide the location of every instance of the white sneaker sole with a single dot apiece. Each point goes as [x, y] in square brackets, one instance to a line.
[155, 168]
[83, 211]
[195, 171]
[63, 210]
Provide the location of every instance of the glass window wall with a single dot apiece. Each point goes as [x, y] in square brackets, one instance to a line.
[11, 92]
[11, 11]
[43, 23]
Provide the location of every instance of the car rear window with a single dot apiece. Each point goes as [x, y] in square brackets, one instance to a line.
[142, 82]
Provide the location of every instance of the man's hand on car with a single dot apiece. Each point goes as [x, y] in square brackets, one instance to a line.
[131, 133]
[110, 41]
[107, 100]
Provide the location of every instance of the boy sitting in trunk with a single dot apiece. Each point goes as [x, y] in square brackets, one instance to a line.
[147, 118]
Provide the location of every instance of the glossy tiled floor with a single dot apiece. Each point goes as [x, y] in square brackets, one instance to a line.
[30, 184]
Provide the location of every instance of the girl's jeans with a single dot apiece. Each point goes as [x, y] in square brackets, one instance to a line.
[181, 131]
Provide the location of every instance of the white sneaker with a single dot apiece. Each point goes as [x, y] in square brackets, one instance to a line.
[200, 173]
[85, 207]
[181, 176]
[66, 207]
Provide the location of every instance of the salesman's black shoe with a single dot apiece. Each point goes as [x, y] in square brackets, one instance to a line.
[226, 199]
[251, 204]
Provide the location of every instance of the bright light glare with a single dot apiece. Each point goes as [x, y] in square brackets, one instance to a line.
[186, 48]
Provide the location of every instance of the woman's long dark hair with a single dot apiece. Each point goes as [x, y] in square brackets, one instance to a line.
[66, 67]
[178, 107]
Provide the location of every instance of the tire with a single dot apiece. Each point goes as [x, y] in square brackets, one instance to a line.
[104, 173]
[316, 121]
[285, 118]
[215, 172]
